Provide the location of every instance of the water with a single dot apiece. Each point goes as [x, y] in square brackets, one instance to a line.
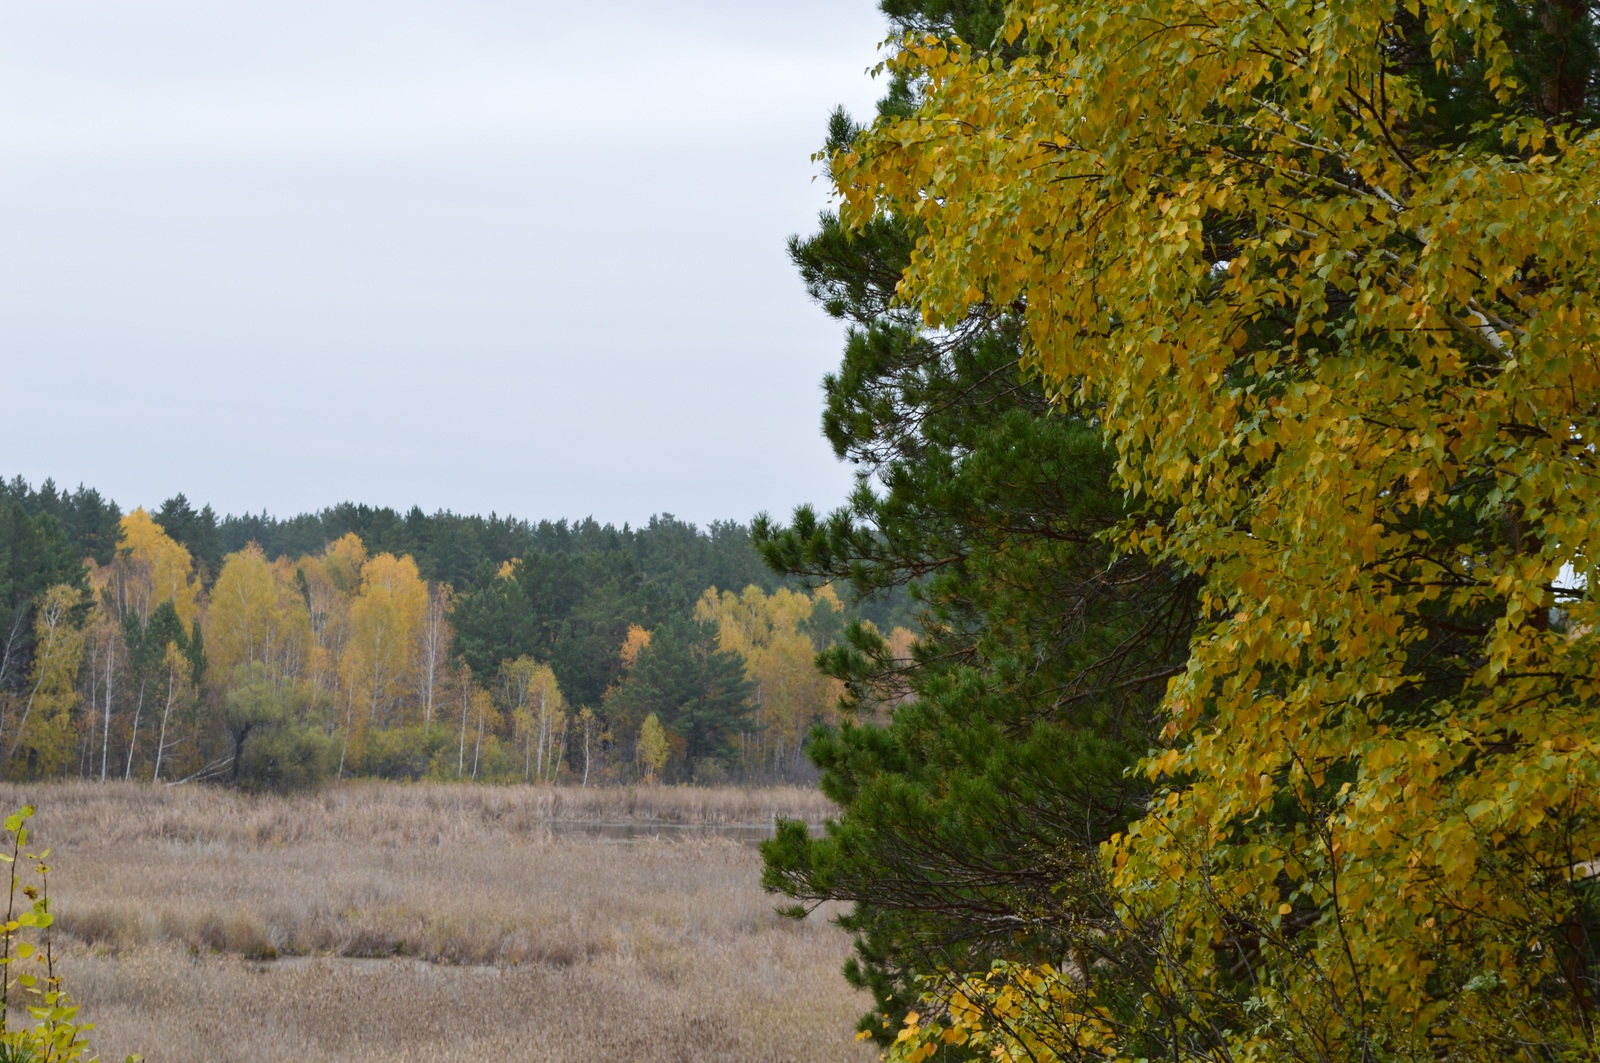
[749, 833]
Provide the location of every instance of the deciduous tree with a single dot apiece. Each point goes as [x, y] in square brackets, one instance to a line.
[151, 568]
[532, 700]
[40, 742]
[652, 749]
[256, 614]
[433, 647]
[380, 655]
[770, 633]
[274, 730]
[1326, 276]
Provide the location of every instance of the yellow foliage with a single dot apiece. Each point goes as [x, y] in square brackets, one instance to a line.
[653, 748]
[533, 700]
[766, 631]
[257, 614]
[150, 568]
[38, 1021]
[328, 613]
[1317, 350]
[634, 644]
[42, 742]
[345, 560]
[901, 640]
[384, 621]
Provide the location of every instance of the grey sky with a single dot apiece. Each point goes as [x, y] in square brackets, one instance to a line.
[511, 256]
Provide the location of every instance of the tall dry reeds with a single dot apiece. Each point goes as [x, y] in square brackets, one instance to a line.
[377, 922]
[384, 813]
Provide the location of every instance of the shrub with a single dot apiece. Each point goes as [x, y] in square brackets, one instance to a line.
[409, 752]
[289, 757]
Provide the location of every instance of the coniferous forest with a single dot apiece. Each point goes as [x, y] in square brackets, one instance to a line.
[176, 645]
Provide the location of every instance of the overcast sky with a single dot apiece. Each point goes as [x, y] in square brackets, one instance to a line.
[480, 255]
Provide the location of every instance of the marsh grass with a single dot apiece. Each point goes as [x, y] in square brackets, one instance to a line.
[397, 922]
[384, 813]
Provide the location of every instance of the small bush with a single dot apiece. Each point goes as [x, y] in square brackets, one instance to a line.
[289, 757]
[409, 752]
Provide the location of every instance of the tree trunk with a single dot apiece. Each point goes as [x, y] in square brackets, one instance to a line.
[461, 754]
[543, 725]
[349, 722]
[11, 641]
[1564, 88]
[161, 739]
[558, 752]
[86, 754]
[105, 737]
[133, 736]
[238, 750]
[27, 710]
[477, 748]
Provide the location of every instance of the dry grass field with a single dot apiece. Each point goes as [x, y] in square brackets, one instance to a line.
[435, 923]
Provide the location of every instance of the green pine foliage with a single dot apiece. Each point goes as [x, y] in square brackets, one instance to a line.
[36, 553]
[89, 520]
[697, 691]
[978, 776]
[197, 532]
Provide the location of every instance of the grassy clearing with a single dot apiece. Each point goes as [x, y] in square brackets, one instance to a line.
[392, 922]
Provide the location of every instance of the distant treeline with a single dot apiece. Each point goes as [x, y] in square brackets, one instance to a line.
[361, 640]
[448, 547]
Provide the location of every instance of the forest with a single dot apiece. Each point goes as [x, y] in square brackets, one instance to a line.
[1206, 665]
[176, 646]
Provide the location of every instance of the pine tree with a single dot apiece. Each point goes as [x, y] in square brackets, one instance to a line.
[696, 691]
[35, 554]
[977, 777]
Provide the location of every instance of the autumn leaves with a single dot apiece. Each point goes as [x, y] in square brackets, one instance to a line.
[284, 671]
[1326, 277]
[346, 638]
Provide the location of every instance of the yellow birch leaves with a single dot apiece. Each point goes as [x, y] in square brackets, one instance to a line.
[1354, 371]
[257, 615]
[768, 632]
[385, 618]
[41, 741]
[653, 748]
[151, 568]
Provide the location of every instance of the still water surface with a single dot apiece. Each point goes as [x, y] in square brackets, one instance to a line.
[750, 833]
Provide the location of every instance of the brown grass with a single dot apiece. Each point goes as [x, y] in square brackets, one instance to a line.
[387, 813]
[440, 923]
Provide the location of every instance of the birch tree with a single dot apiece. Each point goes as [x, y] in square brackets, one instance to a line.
[1326, 275]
